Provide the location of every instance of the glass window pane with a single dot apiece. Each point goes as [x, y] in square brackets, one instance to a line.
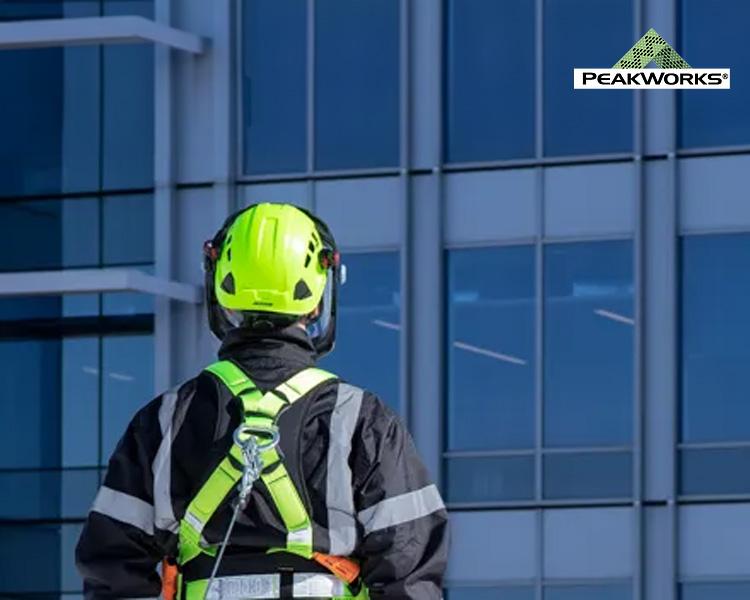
[368, 327]
[80, 402]
[715, 471]
[65, 234]
[585, 33]
[588, 335]
[128, 230]
[30, 380]
[48, 494]
[127, 384]
[491, 353]
[274, 86]
[715, 330]
[715, 591]
[128, 96]
[70, 580]
[43, 543]
[490, 593]
[490, 478]
[616, 591]
[491, 76]
[588, 475]
[357, 84]
[713, 38]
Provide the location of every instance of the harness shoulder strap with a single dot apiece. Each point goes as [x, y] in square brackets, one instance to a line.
[259, 410]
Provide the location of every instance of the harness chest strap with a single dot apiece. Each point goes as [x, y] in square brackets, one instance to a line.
[260, 410]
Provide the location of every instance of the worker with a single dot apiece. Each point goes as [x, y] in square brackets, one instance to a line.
[264, 476]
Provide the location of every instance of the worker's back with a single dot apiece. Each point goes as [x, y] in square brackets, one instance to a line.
[264, 477]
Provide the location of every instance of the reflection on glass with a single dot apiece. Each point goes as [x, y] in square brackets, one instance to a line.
[64, 109]
[588, 475]
[30, 383]
[70, 580]
[490, 593]
[357, 84]
[127, 384]
[709, 471]
[80, 402]
[128, 229]
[47, 494]
[274, 85]
[720, 119]
[585, 33]
[490, 478]
[715, 591]
[715, 333]
[491, 348]
[589, 323]
[613, 591]
[490, 44]
[369, 325]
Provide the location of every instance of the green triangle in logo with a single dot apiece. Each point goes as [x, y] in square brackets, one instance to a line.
[651, 47]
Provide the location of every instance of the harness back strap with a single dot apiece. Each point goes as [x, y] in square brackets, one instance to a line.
[260, 410]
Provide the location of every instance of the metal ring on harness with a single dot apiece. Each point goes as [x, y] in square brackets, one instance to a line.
[254, 431]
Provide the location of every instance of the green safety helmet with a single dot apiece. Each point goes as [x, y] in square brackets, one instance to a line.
[272, 265]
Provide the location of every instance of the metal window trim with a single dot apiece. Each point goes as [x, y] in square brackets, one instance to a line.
[86, 281]
[45, 33]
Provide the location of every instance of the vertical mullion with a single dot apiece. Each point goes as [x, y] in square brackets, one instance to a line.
[310, 104]
[539, 294]
[405, 185]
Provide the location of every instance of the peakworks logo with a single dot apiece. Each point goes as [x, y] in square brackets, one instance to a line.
[673, 72]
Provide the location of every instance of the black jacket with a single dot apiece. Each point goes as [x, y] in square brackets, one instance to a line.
[388, 516]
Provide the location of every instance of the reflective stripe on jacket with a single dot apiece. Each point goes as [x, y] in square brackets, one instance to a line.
[366, 489]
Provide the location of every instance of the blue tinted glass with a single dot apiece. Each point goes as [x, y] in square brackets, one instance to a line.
[715, 591]
[70, 580]
[715, 331]
[30, 376]
[490, 478]
[128, 230]
[491, 353]
[47, 494]
[357, 84]
[368, 327]
[65, 108]
[128, 94]
[491, 75]
[80, 402]
[585, 33]
[588, 475]
[490, 593]
[20, 542]
[66, 234]
[274, 85]
[714, 37]
[588, 371]
[127, 384]
[617, 591]
[715, 471]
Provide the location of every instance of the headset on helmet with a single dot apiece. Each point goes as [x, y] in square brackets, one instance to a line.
[321, 328]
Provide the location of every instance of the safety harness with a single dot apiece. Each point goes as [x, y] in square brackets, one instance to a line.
[254, 455]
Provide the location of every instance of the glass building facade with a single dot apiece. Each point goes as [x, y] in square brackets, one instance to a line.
[548, 286]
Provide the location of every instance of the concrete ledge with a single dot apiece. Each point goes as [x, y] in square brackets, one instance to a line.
[95, 30]
[87, 281]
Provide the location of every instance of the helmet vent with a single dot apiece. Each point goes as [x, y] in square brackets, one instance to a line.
[308, 258]
[301, 291]
[228, 284]
[229, 254]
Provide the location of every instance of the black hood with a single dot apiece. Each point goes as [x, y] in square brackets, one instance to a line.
[269, 358]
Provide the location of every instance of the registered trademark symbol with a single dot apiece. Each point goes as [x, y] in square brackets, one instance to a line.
[724, 76]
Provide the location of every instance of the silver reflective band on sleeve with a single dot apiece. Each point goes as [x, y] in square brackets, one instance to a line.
[342, 529]
[125, 508]
[170, 421]
[401, 509]
[251, 587]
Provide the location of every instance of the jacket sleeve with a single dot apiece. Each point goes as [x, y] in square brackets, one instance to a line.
[120, 546]
[402, 519]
